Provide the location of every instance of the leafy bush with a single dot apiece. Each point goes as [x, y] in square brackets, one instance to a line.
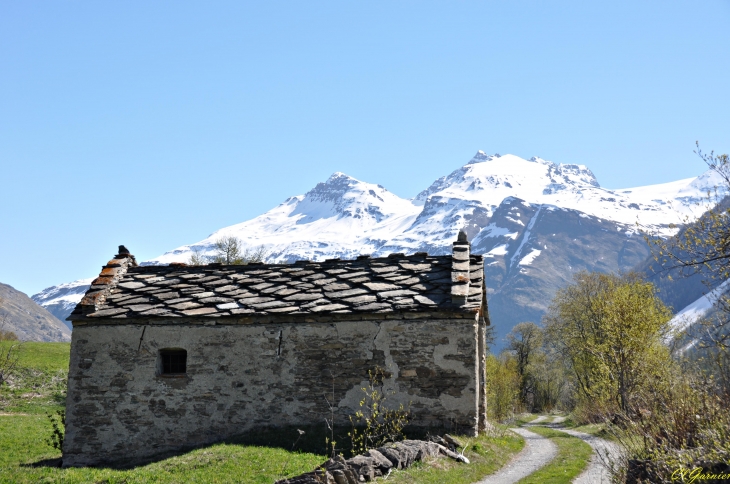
[374, 424]
[503, 387]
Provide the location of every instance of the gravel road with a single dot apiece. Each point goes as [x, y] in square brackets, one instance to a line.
[538, 452]
[596, 472]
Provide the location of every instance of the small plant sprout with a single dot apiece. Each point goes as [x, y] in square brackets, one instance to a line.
[330, 440]
[58, 428]
[286, 462]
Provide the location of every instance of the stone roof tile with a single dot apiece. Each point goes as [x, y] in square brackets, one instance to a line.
[416, 283]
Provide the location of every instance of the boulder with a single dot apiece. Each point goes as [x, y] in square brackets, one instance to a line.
[381, 463]
[453, 441]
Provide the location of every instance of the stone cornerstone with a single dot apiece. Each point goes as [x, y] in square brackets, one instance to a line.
[171, 357]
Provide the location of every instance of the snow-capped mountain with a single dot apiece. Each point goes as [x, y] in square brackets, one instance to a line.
[344, 217]
[62, 299]
[536, 221]
[699, 308]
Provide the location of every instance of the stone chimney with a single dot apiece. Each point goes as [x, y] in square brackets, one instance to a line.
[124, 254]
[460, 270]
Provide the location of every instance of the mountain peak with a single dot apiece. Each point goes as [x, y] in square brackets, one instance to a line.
[338, 175]
[481, 157]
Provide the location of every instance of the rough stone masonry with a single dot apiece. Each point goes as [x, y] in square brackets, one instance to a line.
[171, 357]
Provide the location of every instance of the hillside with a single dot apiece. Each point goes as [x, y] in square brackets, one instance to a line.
[679, 287]
[28, 320]
[532, 250]
[692, 293]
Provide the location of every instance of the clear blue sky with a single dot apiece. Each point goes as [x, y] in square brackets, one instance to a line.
[153, 124]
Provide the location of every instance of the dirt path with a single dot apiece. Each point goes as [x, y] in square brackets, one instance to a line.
[596, 472]
[538, 452]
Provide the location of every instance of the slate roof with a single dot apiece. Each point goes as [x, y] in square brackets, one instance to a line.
[397, 283]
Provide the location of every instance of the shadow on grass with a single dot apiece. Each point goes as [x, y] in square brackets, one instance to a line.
[55, 462]
[286, 438]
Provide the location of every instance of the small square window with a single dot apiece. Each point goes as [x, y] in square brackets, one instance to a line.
[173, 362]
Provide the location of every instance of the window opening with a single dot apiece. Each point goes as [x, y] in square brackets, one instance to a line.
[173, 361]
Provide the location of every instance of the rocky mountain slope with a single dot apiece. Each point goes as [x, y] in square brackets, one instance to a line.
[29, 321]
[532, 250]
[60, 300]
[537, 221]
[692, 293]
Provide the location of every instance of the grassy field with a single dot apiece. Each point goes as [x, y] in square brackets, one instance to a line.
[39, 385]
[573, 456]
[39, 388]
[22, 442]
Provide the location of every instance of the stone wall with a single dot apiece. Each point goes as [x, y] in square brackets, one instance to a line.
[240, 377]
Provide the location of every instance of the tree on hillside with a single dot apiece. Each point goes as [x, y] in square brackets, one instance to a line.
[503, 387]
[525, 341]
[550, 380]
[610, 329]
[228, 250]
[198, 257]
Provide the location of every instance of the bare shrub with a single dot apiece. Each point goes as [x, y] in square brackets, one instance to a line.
[9, 350]
[679, 425]
[228, 250]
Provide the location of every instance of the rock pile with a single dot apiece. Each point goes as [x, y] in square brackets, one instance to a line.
[374, 463]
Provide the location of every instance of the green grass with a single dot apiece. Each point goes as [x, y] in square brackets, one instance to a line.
[596, 429]
[569, 422]
[45, 356]
[599, 430]
[572, 459]
[486, 454]
[524, 418]
[22, 441]
[553, 416]
[40, 387]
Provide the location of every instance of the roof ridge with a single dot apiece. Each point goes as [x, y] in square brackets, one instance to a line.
[102, 286]
[416, 284]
